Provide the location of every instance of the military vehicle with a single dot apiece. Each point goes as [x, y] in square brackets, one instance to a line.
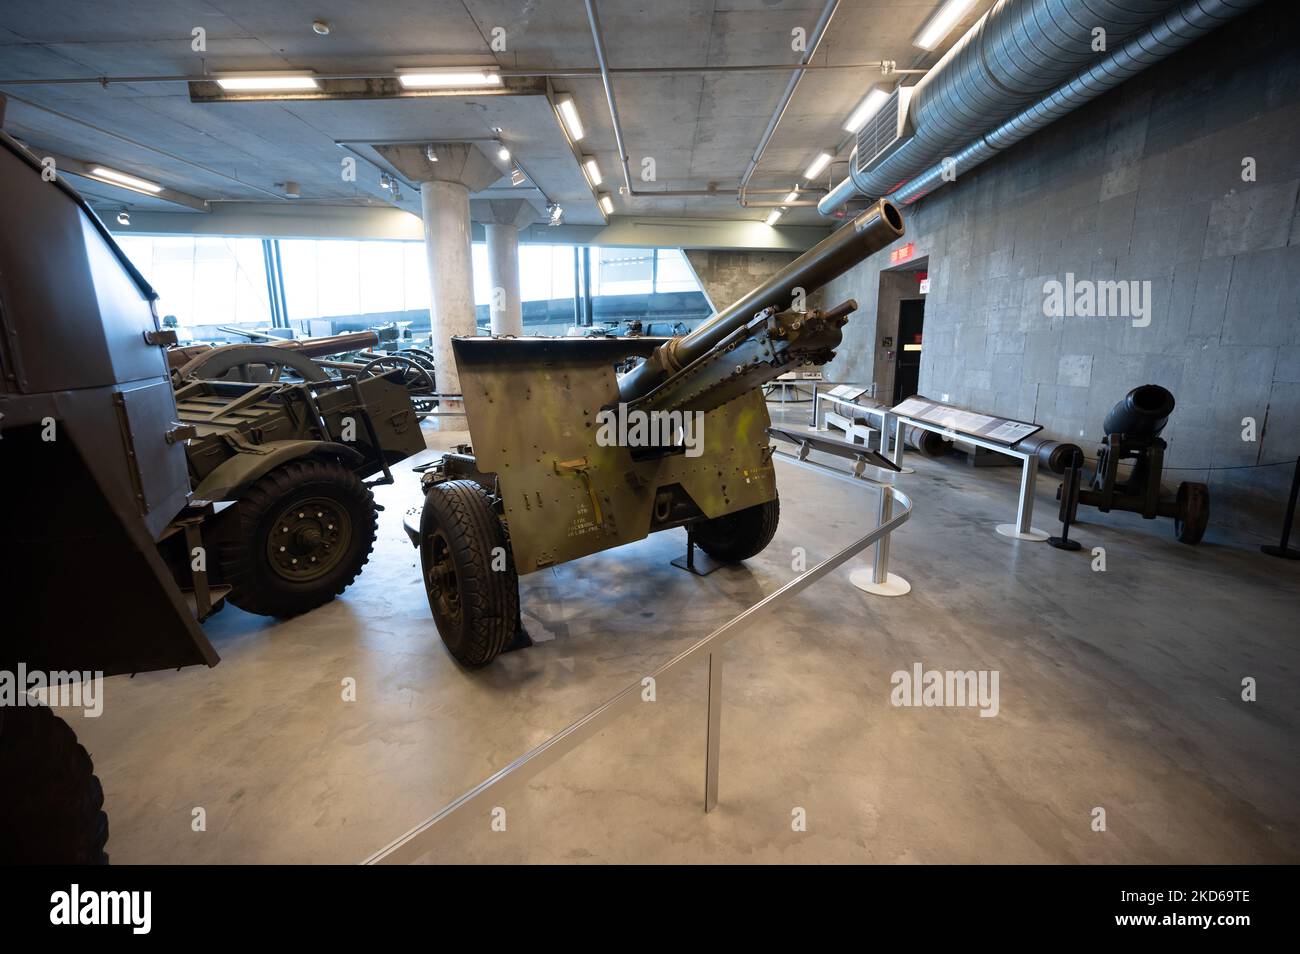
[560, 465]
[130, 509]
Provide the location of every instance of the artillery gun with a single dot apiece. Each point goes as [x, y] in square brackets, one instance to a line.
[570, 458]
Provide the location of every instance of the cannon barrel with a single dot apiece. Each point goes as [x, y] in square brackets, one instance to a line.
[329, 344]
[1142, 412]
[871, 231]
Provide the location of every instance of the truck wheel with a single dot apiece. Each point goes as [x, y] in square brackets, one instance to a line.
[305, 531]
[1193, 512]
[475, 606]
[740, 535]
[51, 803]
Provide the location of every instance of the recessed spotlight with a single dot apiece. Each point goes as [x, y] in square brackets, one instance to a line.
[122, 179]
[568, 110]
[320, 27]
[447, 78]
[773, 216]
[266, 82]
[503, 154]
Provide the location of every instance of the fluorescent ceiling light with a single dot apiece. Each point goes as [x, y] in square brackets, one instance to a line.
[266, 81]
[940, 25]
[124, 180]
[792, 196]
[866, 109]
[606, 203]
[817, 165]
[517, 176]
[568, 111]
[434, 79]
[773, 216]
[593, 170]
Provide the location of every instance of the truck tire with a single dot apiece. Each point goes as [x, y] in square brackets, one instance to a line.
[740, 535]
[475, 607]
[51, 803]
[305, 531]
[1193, 512]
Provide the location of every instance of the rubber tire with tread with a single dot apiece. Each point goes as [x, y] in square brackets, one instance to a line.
[256, 587]
[740, 535]
[488, 598]
[51, 803]
[1193, 512]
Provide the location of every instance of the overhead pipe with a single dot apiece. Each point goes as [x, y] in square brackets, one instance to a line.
[1175, 30]
[819, 31]
[1011, 56]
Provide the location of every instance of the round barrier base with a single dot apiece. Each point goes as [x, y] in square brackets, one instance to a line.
[904, 469]
[894, 584]
[1009, 530]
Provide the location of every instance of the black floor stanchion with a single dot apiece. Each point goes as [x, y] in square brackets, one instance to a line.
[1282, 549]
[1069, 500]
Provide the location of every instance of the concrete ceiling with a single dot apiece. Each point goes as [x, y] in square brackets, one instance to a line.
[701, 129]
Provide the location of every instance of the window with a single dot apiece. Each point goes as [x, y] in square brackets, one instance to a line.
[206, 280]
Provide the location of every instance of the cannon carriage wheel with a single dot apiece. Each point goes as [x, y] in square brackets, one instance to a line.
[412, 373]
[1193, 512]
[469, 571]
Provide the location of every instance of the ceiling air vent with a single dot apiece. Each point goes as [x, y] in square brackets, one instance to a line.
[886, 130]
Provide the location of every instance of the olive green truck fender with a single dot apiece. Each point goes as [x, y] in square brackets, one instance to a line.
[230, 479]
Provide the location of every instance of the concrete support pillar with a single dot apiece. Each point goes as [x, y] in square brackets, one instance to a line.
[506, 308]
[447, 173]
[445, 207]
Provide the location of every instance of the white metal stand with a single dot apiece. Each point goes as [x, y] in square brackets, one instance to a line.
[1023, 528]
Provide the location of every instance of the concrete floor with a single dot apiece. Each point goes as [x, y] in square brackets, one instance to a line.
[1119, 690]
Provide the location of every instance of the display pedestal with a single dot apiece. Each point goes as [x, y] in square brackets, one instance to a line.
[1009, 530]
[894, 584]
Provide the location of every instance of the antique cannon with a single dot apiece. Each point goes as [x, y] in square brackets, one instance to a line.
[570, 458]
[1132, 429]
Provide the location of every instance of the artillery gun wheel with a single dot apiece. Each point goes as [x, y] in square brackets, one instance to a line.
[51, 803]
[740, 535]
[305, 531]
[1193, 512]
[475, 606]
[411, 374]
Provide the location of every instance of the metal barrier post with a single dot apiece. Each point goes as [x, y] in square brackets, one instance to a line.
[878, 580]
[714, 743]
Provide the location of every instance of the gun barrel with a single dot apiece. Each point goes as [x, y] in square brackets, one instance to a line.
[1143, 412]
[329, 344]
[871, 231]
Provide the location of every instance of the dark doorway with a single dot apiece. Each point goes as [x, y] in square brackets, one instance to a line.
[907, 357]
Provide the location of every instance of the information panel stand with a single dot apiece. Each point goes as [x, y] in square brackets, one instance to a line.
[998, 434]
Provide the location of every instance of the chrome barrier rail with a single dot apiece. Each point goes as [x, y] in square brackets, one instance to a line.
[422, 839]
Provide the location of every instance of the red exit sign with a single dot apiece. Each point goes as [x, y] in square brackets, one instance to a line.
[902, 253]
